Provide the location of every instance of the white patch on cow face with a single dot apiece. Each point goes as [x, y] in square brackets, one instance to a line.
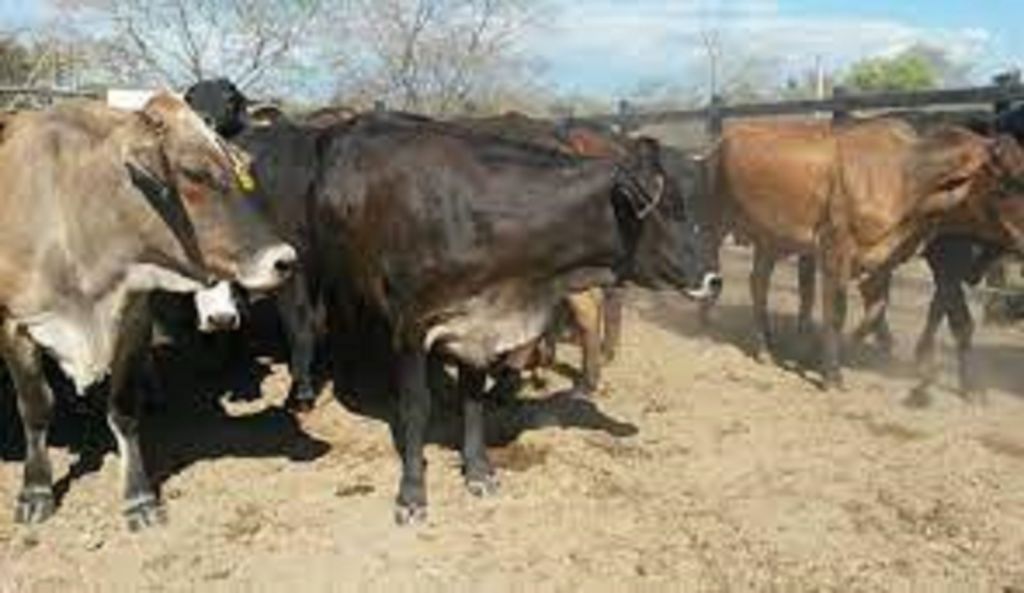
[217, 309]
[478, 331]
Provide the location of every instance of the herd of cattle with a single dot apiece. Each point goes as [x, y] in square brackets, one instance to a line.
[463, 239]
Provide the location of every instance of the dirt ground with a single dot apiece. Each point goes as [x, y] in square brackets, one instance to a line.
[698, 469]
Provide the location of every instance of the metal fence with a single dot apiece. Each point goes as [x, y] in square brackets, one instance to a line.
[1005, 90]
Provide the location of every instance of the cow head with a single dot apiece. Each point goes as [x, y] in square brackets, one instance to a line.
[197, 184]
[669, 249]
[1003, 200]
[221, 105]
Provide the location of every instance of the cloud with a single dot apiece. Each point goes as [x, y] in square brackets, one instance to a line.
[607, 46]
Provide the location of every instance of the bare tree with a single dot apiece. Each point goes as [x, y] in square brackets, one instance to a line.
[176, 42]
[434, 56]
[734, 71]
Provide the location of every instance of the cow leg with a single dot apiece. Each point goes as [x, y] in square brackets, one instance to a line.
[924, 353]
[586, 315]
[296, 310]
[833, 310]
[962, 326]
[35, 502]
[141, 507]
[612, 311]
[875, 294]
[807, 270]
[413, 415]
[760, 281]
[476, 467]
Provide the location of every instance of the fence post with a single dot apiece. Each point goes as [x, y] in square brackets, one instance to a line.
[716, 119]
[623, 118]
[1006, 80]
[840, 108]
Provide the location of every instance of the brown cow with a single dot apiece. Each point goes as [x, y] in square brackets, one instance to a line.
[115, 205]
[860, 197]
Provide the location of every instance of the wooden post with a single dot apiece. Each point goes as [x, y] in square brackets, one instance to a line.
[716, 117]
[1006, 80]
[625, 125]
[840, 110]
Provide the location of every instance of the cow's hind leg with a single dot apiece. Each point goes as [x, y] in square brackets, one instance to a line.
[833, 310]
[413, 416]
[760, 281]
[296, 312]
[612, 312]
[476, 467]
[141, 507]
[807, 269]
[586, 315]
[35, 502]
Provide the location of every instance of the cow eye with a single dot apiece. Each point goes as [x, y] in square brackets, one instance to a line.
[197, 175]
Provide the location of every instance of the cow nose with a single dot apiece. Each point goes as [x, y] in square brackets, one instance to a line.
[269, 268]
[224, 321]
[715, 284]
[286, 263]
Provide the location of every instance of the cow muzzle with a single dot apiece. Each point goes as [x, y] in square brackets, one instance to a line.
[216, 309]
[269, 268]
[710, 288]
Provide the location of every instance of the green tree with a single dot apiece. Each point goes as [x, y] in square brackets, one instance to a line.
[907, 71]
[15, 61]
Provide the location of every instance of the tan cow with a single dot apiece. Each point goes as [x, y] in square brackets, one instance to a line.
[860, 197]
[114, 205]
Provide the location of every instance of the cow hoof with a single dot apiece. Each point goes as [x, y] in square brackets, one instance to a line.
[834, 383]
[483, 486]
[410, 514]
[920, 397]
[976, 397]
[581, 393]
[143, 513]
[34, 505]
[301, 400]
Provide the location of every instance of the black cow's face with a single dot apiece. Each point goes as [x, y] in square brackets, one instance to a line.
[672, 249]
[221, 105]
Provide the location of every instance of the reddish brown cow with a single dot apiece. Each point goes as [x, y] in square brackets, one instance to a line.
[859, 197]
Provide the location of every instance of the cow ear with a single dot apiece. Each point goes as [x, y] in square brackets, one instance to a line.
[1007, 154]
[157, 113]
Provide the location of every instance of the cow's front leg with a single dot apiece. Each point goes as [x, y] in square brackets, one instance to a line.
[413, 416]
[875, 294]
[296, 310]
[760, 281]
[476, 467]
[35, 502]
[141, 507]
[962, 325]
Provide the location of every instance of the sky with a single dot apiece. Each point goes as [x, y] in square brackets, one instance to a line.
[613, 47]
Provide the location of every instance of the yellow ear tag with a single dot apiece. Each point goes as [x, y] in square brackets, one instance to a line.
[245, 179]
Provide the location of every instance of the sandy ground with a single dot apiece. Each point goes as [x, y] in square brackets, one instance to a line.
[697, 470]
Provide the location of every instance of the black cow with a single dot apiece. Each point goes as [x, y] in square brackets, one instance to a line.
[465, 242]
[285, 163]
